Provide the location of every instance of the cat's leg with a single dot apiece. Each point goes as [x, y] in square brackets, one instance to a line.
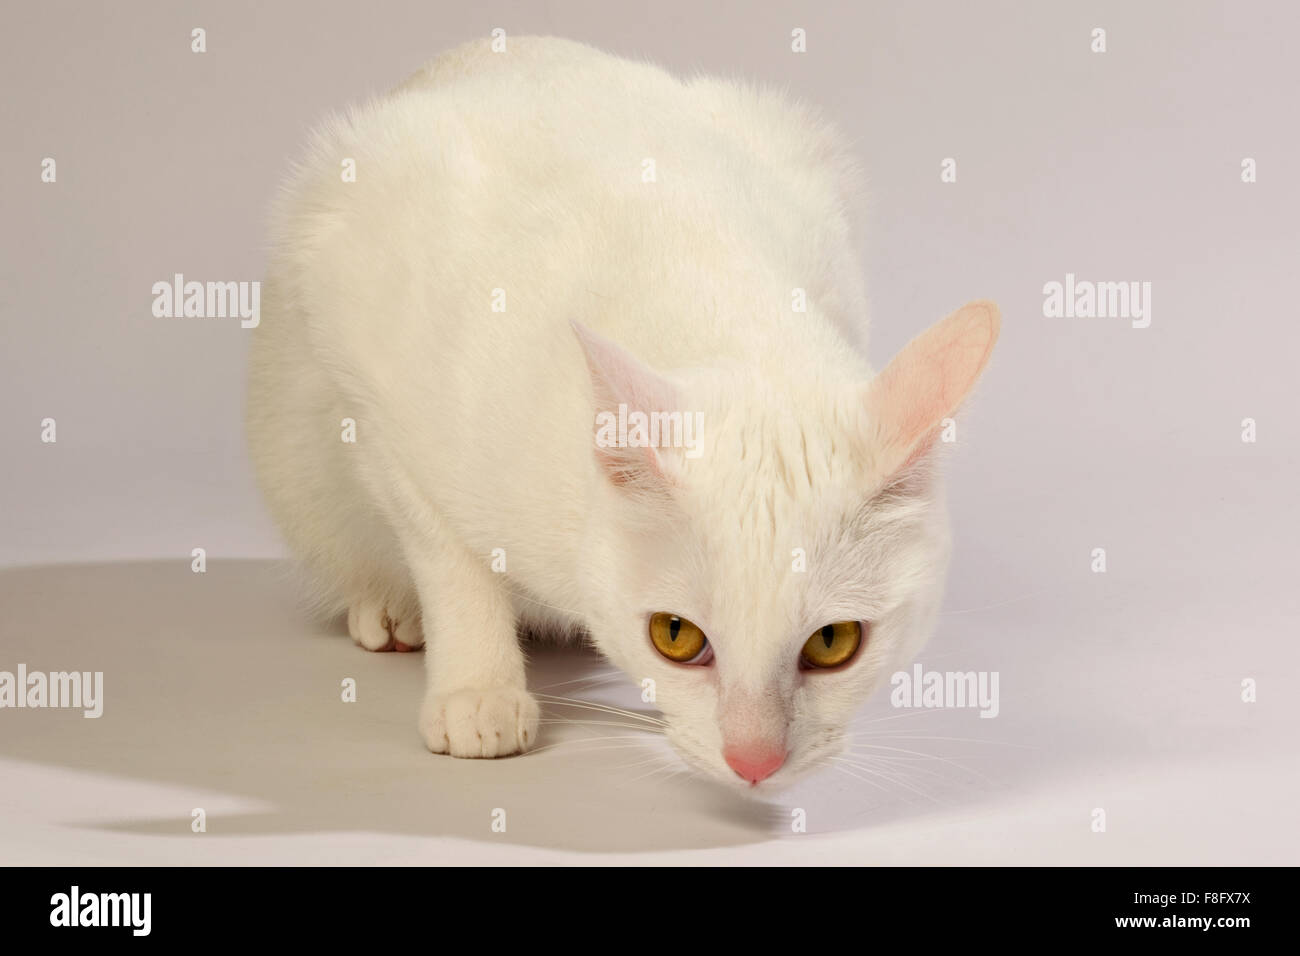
[476, 700]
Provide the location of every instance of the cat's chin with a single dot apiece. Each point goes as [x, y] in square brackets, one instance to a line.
[735, 784]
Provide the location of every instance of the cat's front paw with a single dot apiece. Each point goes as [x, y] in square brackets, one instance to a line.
[487, 722]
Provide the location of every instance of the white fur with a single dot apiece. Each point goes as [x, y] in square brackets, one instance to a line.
[522, 171]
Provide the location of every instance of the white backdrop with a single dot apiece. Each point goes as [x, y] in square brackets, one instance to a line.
[1085, 433]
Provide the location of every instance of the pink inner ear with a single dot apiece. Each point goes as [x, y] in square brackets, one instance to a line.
[618, 377]
[928, 380]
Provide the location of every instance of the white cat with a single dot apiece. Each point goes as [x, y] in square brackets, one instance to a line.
[533, 238]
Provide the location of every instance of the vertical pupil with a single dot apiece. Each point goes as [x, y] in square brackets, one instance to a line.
[674, 628]
[828, 635]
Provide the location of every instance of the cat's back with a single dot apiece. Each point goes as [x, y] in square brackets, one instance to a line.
[484, 169]
[476, 123]
[521, 63]
[553, 104]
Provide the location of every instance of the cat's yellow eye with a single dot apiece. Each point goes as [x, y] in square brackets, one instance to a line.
[677, 638]
[832, 645]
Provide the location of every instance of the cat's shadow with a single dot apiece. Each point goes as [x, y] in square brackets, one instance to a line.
[217, 683]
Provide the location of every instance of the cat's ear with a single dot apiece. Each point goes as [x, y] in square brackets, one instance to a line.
[926, 382]
[625, 389]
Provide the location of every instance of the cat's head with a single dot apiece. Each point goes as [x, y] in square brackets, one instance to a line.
[776, 545]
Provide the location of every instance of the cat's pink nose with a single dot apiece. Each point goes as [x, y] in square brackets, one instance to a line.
[754, 763]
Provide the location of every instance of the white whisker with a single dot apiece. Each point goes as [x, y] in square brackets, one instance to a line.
[875, 771]
[591, 678]
[838, 765]
[909, 713]
[922, 755]
[624, 741]
[607, 708]
[653, 771]
[897, 764]
[965, 740]
[601, 723]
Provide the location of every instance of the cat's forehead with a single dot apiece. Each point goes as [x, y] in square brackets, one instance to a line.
[774, 465]
[789, 528]
[798, 440]
[775, 519]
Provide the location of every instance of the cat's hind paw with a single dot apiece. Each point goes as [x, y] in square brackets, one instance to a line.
[488, 722]
[373, 628]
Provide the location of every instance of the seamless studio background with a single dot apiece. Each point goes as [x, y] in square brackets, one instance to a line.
[1120, 691]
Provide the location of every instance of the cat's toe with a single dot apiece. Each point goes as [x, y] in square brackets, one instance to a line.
[369, 626]
[489, 722]
[408, 634]
[375, 629]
